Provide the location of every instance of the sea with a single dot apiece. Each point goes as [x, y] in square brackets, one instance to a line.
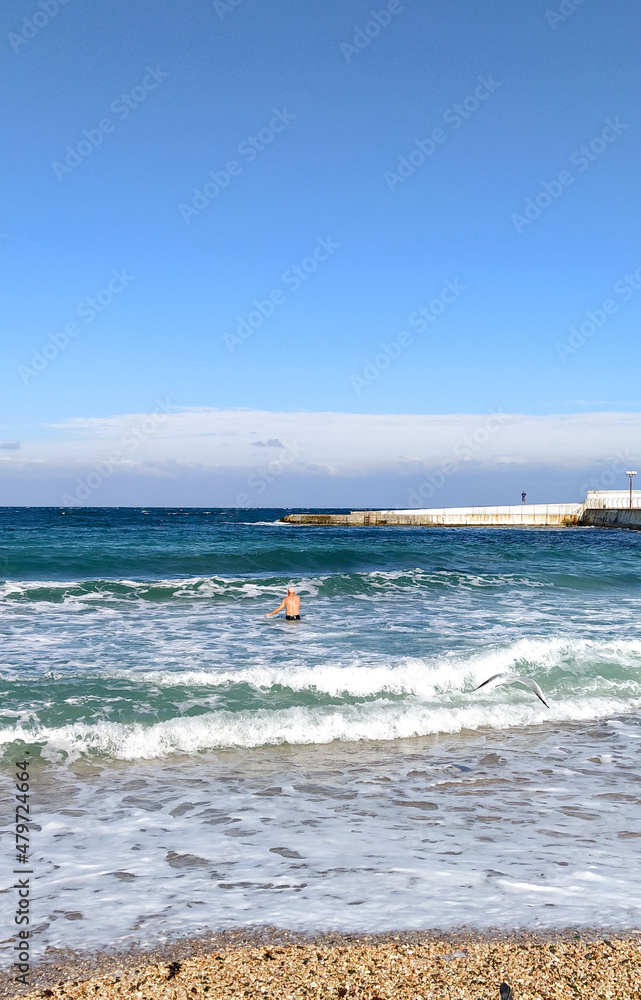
[195, 766]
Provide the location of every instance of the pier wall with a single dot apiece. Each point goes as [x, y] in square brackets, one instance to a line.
[600, 509]
[516, 516]
[608, 518]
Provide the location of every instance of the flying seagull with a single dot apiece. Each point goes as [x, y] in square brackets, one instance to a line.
[497, 679]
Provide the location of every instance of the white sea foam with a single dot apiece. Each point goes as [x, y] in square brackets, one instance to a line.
[220, 586]
[438, 844]
[277, 522]
[376, 721]
[423, 678]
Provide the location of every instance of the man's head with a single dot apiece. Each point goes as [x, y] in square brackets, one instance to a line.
[291, 590]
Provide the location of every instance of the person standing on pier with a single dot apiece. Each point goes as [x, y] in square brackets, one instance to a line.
[523, 496]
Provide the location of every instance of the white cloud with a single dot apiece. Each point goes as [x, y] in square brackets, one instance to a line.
[339, 444]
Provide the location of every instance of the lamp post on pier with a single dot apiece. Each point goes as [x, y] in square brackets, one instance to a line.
[631, 476]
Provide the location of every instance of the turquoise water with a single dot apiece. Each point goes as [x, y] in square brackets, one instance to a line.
[136, 663]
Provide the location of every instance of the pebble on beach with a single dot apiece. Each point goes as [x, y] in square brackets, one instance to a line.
[420, 967]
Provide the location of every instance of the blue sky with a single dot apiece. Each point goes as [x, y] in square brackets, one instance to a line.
[118, 116]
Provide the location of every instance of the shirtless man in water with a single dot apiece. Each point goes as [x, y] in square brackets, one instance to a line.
[291, 603]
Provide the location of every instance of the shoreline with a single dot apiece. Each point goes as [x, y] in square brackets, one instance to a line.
[273, 962]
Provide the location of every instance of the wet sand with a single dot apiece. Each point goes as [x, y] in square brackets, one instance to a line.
[408, 966]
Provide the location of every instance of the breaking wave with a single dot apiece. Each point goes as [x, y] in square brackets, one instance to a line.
[188, 711]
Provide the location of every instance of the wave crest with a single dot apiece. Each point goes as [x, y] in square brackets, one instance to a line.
[296, 726]
[219, 588]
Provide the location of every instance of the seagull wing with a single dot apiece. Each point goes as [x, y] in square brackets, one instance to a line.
[533, 686]
[497, 679]
[504, 678]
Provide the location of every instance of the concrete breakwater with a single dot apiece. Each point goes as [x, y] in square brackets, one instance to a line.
[600, 509]
[612, 518]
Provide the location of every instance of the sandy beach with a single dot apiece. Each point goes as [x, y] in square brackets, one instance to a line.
[408, 966]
